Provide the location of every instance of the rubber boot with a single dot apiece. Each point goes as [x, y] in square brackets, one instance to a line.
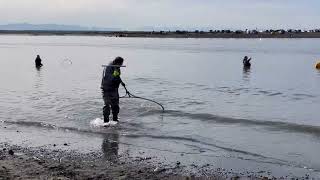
[115, 118]
[106, 119]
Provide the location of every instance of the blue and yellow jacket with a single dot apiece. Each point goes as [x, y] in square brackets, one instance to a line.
[111, 78]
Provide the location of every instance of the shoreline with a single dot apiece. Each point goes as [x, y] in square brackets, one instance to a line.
[147, 34]
[46, 153]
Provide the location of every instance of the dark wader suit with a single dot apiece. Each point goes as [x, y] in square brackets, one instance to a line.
[38, 62]
[110, 85]
[246, 62]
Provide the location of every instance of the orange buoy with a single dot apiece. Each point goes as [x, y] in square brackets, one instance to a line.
[318, 65]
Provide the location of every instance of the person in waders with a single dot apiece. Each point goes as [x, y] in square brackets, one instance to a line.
[110, 84]
[246, 62]
[38, 62]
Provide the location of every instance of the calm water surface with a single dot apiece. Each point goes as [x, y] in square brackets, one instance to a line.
[216, 111]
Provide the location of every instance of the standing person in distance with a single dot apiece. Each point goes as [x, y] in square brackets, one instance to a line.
[38, 62]
[246, 62]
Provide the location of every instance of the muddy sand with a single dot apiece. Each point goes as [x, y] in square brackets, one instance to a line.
[26, 163]
[46, 153]
[40, 163]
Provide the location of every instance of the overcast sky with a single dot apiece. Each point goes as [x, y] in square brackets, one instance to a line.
[132, 14]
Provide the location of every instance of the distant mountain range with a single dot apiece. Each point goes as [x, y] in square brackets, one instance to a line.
[62, 27]
[53, 27]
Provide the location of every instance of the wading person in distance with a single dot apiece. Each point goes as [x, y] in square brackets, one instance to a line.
[110, 85]
[38, 62]
[246, 62]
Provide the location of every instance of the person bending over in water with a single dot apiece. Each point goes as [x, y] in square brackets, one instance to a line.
[246, 61]
[38, 61]
[110, 85]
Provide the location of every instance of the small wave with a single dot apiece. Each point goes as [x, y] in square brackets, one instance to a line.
[276, 125]
[53, 127]
[264, 92]
[304, 95]
[207, 89]
[143, 79]
[255, 92]
[194, 103]
[223, 87]
[31, 123]
[189, 139]
[191, 84]
[94, 130]
[275, 94]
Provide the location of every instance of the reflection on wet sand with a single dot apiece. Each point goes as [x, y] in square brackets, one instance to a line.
[110, 146]
[38, 84]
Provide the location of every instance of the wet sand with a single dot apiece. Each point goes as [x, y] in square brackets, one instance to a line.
[18, 162]
[23, 163]
[33, 153]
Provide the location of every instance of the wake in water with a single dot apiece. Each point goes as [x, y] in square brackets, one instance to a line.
[272, 125]
[98, 122]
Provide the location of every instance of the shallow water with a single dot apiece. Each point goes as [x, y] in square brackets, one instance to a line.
[216, 111]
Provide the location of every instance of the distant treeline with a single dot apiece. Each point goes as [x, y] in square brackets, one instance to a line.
[278, 33]
[271, 31]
